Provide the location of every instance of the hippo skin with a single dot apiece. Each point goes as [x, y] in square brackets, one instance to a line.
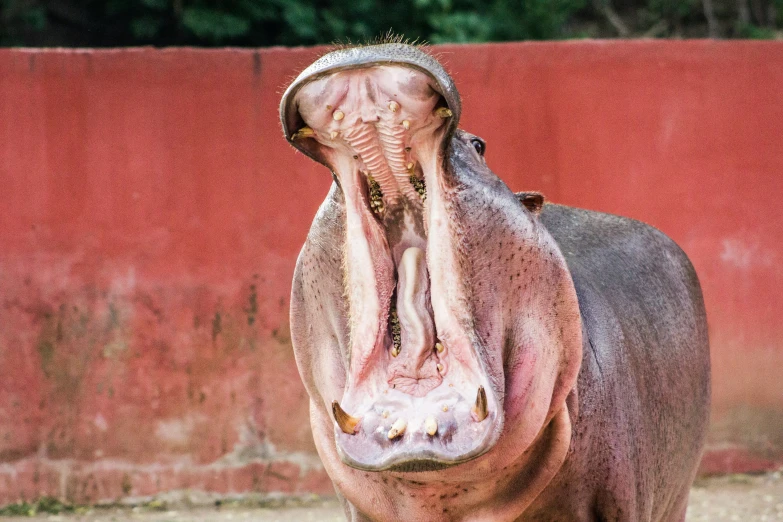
[471, 353]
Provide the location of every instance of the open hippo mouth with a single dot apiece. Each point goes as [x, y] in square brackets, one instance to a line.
[418, 394]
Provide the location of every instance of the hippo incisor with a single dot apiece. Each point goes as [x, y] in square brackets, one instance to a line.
[471, 353]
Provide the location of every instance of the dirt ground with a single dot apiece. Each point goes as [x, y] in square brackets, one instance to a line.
[748, 498]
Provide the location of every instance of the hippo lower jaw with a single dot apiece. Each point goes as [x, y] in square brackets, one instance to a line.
[404, 433]
[412, 428]
[418, 394]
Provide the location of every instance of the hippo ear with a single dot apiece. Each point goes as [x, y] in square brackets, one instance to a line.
[533, 201]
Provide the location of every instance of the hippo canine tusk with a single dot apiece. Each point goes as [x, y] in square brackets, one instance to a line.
[480, 408]
[398, 428]
[346, 422]
[304, 132]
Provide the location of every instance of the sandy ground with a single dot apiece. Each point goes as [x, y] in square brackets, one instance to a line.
[736, 497]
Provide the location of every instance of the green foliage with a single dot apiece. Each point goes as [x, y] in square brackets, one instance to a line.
[755, 33]
[462, 26]
[146, 27]
[480, 21]
[286, 22]
[672, 8]
[214, 25]
[306, 22]
[30, 509]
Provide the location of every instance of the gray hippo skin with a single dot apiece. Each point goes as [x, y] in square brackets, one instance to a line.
[471, 353]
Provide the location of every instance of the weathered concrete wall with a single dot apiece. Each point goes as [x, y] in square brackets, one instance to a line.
[152, 213]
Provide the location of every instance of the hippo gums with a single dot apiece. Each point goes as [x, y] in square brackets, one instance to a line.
[471, 353]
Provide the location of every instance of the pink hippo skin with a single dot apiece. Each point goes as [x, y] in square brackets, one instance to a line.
[471, 353]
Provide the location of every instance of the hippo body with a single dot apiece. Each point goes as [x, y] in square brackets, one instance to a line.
[472, 354]
[644, 384]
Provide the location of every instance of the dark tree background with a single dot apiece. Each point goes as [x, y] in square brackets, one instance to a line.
[93, 23]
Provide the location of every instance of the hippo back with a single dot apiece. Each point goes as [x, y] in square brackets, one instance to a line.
[644, 386]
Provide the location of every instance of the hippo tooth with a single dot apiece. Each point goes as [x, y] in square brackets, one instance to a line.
[333, 134]
[398, 428]
[439, 347]
[439, 366]
[443, 112]
[304, 132]
[431, 426]
[406, 124]
[338, 115]
[393, 106]
[346, 422]
[480, 408]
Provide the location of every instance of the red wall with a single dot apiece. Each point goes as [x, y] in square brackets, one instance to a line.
[151, 214]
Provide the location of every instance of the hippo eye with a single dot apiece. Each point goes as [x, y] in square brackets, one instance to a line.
[479, 145]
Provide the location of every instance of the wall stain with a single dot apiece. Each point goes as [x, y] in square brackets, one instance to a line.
[127, 487]
[252, 308]
[217, 326]
[257, 63]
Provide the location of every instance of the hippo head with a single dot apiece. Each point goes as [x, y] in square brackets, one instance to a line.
[433, 317]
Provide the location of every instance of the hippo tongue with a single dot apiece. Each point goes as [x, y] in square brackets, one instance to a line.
[415, 369]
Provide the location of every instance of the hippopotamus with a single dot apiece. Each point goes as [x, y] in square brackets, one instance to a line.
[471, 353]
